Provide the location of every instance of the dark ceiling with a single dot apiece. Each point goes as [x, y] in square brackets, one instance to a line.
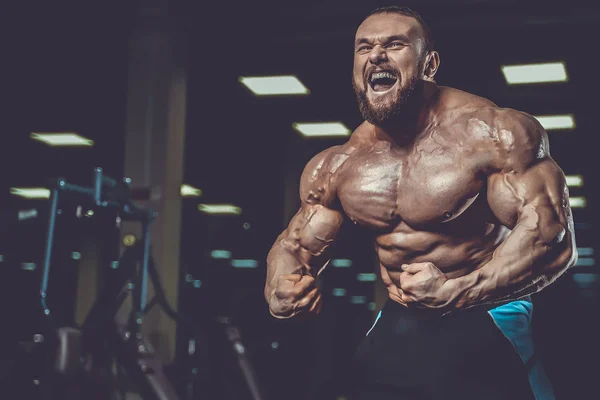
[314, 42]
[65, 68]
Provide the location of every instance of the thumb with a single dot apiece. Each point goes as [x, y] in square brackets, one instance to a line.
[412, 268]
[291, 277]
[306, 281]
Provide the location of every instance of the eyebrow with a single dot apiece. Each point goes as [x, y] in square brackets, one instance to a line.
[387, 39]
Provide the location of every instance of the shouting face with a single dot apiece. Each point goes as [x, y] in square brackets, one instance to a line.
[389, 59]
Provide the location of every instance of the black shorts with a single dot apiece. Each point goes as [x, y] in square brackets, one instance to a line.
[479, 354]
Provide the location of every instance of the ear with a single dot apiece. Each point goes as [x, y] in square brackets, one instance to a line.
[432, 64]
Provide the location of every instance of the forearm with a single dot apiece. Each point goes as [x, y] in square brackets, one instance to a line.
[524, 264]
[286, 258]
[302, 248]
[280, 261]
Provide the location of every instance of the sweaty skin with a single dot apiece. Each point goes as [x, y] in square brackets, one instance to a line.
[466, 205]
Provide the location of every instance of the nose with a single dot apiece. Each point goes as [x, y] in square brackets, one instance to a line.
[377, 55]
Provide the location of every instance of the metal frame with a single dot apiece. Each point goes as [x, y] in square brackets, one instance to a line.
[109, 193]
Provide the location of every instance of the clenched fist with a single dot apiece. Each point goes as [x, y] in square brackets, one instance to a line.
[424, 284]
[294, 294]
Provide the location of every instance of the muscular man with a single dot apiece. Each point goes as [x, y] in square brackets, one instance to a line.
[470, 214]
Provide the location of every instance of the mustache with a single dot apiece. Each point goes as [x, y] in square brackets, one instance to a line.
[399, 107]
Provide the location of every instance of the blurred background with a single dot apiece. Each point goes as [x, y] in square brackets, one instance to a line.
[160, 92]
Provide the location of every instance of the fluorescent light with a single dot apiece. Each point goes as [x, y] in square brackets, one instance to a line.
[190, 191]
[341, 263]
[24, 215]
[31, 193]
[222, 254]
[574, 180]
[338, 292]
[366, 277]
[535, 73]
[585, 251]
[274, 85]
[358, 299]
[62, 139]
[586, 280]
[28, 266]
[321, 129]
[550, 122]
[220, 209]
[577, 202]
[244, 263]
[585, 262]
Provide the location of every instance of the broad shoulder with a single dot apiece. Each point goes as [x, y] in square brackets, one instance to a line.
[514, 138]
[318, 181]
[517, 139]
[328, 161]
[479, 111]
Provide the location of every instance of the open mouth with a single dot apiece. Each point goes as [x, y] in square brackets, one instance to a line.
[382, 81]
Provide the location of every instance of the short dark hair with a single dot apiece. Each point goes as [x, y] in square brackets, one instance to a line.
[409, 13]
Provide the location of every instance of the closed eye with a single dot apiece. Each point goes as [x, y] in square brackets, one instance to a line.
[363, 48]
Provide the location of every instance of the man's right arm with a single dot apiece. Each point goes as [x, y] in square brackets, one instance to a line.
[300, 252]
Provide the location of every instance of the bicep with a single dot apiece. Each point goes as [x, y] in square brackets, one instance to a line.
[318, 221]
[536, 196]
[301, 247]
[316, 224]
[312, 230]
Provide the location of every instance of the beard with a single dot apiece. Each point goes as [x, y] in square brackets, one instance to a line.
[397, 108]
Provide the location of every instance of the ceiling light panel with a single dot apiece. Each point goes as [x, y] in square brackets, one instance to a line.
[274, 85]
[62, 139]
[535, 73]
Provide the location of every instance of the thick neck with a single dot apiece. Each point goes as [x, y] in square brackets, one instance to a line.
[418, 116]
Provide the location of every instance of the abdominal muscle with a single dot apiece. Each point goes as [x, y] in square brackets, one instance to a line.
[455, 255]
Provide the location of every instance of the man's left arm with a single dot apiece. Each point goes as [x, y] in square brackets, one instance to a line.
[528, 194]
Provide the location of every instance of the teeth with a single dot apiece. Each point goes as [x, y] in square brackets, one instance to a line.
[382, 75]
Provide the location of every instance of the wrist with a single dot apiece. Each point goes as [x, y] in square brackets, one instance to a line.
[464, 291]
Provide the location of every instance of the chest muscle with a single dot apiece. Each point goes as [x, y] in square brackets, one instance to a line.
[382, 189]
